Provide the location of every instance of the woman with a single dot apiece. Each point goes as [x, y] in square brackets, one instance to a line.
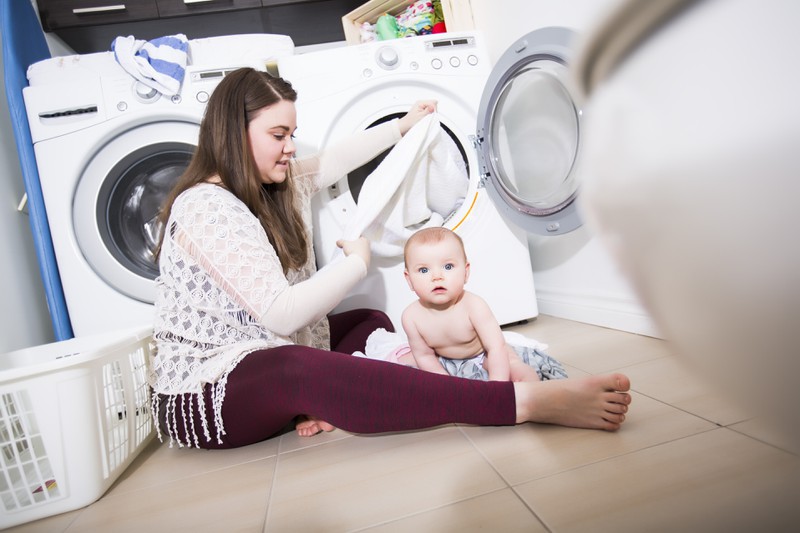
[242, 342]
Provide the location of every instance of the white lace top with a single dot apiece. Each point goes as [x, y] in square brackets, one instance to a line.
[219, 275]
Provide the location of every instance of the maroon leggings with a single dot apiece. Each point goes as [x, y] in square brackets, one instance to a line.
[269, 388]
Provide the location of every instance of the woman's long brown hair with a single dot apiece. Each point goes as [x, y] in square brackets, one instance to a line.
[224, 150]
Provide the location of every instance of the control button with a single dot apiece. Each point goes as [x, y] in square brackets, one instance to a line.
[472, 60]
[144, 93]
[202, 97]
[176, 99]
[388, 58]
[414, 65]
[436, 63]
[122, 106]
[367, 73]
[455, 61]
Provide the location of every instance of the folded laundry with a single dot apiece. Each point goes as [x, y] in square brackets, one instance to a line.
[160, 63]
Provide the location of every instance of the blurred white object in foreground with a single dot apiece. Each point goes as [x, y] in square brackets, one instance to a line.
[691, 176]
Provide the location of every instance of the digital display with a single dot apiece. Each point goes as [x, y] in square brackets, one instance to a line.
[450, 42]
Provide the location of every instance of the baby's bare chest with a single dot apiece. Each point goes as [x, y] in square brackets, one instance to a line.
[451, 330]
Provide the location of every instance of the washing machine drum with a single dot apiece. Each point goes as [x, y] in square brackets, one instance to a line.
[528, 134]
[117, 204]
[130, 201]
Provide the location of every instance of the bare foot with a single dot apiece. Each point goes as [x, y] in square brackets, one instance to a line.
[595, 402]
[308, 426]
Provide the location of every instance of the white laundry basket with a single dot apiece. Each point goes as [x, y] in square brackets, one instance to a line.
[73, 416]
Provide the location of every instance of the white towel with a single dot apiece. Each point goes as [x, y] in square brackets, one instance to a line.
[419, 183]
[160, 63]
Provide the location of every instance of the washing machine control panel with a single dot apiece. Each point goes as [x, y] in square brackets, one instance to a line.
[443, 55]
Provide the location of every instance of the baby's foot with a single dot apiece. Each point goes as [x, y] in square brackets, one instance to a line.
[308, 426]
[595, 402]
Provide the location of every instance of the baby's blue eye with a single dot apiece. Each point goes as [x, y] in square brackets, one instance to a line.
[449, 266]
[423, 270]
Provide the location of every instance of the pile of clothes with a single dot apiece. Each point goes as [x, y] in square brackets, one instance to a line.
[422, 17]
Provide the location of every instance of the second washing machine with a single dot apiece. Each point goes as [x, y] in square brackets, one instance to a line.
[109, 149]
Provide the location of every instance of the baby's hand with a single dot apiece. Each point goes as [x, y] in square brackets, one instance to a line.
[360, 247]
[418, 111]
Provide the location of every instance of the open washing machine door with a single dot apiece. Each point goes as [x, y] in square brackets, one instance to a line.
[528, 134]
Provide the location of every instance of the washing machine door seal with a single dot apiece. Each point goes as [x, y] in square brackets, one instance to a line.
[118, 199]
[528, 134]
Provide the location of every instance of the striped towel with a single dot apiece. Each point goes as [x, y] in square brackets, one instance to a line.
[160, 63]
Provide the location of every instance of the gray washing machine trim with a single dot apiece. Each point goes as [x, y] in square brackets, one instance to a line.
[551, 44]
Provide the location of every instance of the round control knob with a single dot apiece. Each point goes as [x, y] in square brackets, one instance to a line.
[436, 63]
[456, 62]
[202, 97]
[144, 93]
[388, 58]
[472, 60]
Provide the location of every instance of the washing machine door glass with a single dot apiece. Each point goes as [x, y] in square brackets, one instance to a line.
[529, 137]
[118, 200]
[130, 200]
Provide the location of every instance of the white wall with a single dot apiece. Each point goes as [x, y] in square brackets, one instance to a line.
[24, 318]
[575, 278]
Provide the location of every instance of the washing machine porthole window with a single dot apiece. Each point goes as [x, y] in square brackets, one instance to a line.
[130, 199]
[529, 134]
[534, 139]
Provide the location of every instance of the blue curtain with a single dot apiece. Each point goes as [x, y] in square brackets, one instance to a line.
[23, 45]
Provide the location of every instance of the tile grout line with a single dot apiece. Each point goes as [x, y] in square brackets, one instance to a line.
[620, 455]
[274, 483]
[423, 511]
[760, 440]
[508, 485]
[681, 409]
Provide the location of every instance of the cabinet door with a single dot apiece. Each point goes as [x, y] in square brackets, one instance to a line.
[176, 8]
[56, 14]
[269, 3]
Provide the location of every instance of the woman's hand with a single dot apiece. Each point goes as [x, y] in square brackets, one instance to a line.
[360, 247]
[418, 111]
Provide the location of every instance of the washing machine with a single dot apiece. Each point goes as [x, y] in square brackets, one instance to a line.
[516, 126]
[109, 149]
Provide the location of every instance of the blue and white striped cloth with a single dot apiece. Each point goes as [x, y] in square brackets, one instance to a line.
[160, 63]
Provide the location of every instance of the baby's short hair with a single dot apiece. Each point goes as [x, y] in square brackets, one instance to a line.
[432, 235]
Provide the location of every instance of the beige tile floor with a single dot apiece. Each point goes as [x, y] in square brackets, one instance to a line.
[686, 460]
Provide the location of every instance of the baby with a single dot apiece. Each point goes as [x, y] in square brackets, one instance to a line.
[449, 327]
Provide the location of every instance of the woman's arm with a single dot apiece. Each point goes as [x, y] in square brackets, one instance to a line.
[308, 301]
[352, 152]
[344, 156]
[227, 241]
